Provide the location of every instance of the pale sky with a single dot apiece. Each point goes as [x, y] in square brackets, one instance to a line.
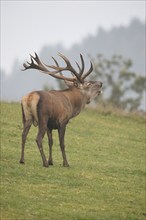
[26, 26]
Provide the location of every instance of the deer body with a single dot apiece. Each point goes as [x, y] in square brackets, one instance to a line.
[52, 110]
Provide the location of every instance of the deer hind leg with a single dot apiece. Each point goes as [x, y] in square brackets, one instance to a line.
[27, 122]
[41, 132]
[27, 125]
[61, 133]
[50, 142]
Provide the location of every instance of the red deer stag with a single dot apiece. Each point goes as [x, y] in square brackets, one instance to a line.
[53, 109]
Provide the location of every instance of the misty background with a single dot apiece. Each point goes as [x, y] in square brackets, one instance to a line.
[47, 27]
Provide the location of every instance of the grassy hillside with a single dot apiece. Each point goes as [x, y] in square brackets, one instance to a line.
[105, 179]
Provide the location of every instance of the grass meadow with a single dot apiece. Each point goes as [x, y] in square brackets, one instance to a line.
[105, 180]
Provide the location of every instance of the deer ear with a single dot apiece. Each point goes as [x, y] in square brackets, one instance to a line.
[75, 84]
[69, 84]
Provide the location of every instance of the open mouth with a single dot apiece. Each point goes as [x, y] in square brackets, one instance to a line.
[98, 88]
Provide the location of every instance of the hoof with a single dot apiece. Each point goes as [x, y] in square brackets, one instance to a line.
[66, 165]
[46, 165]
[50, 162]
[21, 162]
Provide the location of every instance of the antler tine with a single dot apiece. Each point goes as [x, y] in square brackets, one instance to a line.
[36, 58]
[57, 65]
[89, 71]
[70, 67]
[78, 66]
[29, 66]
[38, 65]
[81, 70]
[60, 71]
[55, 61]
[83, 65]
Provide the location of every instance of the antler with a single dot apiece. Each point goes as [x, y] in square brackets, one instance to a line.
[79, 76]
[42, 67]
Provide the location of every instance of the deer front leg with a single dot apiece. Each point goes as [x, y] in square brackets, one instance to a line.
[39, 139]
[61, 132]
[50, 142]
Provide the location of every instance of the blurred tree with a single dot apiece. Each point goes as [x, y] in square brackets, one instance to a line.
[61, 84]
[47, 87]
[123, 88]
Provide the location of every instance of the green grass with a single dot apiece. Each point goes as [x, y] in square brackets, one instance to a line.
[105, 179]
